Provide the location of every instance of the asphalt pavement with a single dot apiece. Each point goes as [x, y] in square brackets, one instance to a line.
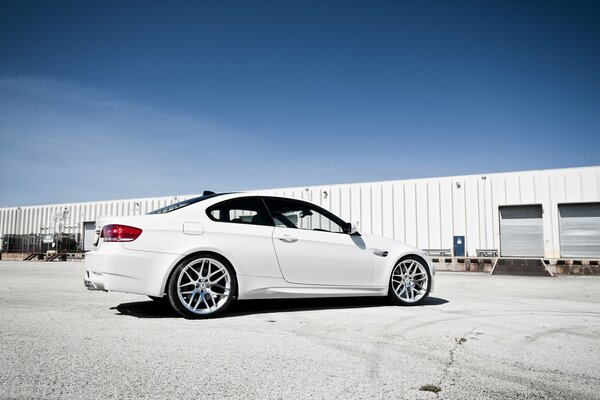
[477, 337]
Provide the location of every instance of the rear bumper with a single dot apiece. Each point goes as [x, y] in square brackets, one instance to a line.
[93, 281]
[114, 268]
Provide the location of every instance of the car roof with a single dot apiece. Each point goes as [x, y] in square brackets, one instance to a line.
[228, 196]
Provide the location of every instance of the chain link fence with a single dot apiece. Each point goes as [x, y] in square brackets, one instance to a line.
[41, 243]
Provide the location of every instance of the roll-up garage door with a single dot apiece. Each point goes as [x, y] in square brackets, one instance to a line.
[521, 231]
[579, 226]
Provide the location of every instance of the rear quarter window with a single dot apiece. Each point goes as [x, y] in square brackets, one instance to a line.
[245, 210]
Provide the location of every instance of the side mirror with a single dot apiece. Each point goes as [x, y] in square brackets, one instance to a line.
[305, 213]
[349, 228]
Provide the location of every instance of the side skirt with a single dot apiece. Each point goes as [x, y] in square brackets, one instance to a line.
[295, 292]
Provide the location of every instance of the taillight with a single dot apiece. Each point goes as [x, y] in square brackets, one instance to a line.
[120, 233]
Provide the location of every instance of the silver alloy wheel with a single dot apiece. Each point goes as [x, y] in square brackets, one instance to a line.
[204, 285]
[410, 281]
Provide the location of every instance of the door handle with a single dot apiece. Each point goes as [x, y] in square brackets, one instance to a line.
[380, 253]
[287, 239]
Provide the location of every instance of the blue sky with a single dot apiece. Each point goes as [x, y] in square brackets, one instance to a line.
[111, 99]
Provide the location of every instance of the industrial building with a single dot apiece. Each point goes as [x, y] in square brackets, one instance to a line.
[552, 214]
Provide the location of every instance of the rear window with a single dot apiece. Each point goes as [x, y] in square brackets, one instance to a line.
[184, 203]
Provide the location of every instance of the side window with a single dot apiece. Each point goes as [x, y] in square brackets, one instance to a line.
[245, 210]
[301, 215]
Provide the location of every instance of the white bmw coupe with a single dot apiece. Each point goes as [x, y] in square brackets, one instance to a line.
[202, 253]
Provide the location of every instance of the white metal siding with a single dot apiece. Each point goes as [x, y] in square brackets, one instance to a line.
[521, 231]
[579, 230]
[422, 212]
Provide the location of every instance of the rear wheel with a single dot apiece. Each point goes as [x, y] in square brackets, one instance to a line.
[410, 282]
[202, 286]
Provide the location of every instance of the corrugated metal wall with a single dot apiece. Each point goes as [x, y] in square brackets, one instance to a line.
[69, 218]
[426, 213]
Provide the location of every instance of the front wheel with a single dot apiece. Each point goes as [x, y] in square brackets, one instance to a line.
[410, 282]
[202, 286]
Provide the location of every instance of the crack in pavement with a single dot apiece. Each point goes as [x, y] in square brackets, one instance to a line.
[452, 356]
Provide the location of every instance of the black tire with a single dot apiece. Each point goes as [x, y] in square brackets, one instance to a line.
[178, 300]
[405, 288]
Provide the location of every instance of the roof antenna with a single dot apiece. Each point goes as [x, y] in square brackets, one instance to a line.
[207, 192]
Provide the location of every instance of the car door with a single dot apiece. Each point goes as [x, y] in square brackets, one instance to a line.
[312, 248]
[243, 232]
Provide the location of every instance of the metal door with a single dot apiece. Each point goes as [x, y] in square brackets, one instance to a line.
[89, 235]
[579, 227]
[521, 231]
[459, 246]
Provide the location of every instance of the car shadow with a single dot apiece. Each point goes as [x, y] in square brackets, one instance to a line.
[153, 309]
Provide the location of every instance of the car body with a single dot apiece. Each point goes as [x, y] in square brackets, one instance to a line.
[267, 246]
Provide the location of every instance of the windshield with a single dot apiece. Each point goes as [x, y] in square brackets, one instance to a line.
[184, 203]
